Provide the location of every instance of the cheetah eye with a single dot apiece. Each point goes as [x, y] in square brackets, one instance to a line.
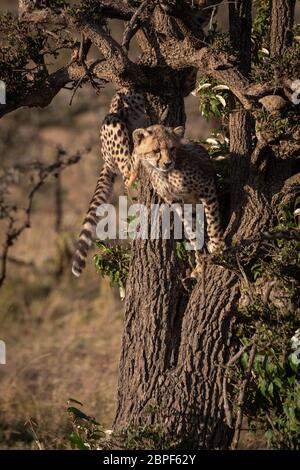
[157, 151]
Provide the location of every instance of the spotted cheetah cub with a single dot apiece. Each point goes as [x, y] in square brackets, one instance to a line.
[179, 171]
[127, 112]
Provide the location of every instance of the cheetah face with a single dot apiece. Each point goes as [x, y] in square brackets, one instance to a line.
[157, 146]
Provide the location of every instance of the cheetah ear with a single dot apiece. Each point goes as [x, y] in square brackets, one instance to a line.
[138, 135]
[179, 132]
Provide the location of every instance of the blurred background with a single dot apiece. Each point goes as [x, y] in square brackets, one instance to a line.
[62, 334]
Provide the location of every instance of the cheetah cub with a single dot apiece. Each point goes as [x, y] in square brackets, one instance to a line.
[128, 111]
[180, 171]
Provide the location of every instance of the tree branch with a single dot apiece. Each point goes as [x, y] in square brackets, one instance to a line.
[135, 23]
[13, 232]
[179, 53]
[232, 361]
[220, 258]
[124, 70]
[241, 397]
[43, 92]
[119, 10]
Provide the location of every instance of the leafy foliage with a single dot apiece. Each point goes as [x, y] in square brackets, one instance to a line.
[88, 434]
[273, 396]
[268, 69]
[260, 30]
[86, 430]
[113, 261]
[213, 98]
[88, 9]
[220, 42]
[183, 254]
[24, 49]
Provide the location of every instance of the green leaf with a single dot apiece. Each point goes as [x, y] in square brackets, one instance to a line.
[73, 400]
[271, 390]
[294, 361]
[256, 270]
[291, 379]
[258, 361]
[100, 244]
[79, 414]
[215, 108]
[297, 202]
[278, 382]
[263, 388]
[77, 441]
[245, 360]
[269, 435]
[269, 367]
[289, 411]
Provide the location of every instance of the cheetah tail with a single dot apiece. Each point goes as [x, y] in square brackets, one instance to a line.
[87, 234]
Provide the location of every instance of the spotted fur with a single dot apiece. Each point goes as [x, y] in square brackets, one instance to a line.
[180, 171]
[127, 113]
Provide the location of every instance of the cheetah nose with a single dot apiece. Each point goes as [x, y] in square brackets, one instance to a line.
[168, 164]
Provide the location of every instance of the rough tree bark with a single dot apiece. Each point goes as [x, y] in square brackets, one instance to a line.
[282, 23]
[175, 349]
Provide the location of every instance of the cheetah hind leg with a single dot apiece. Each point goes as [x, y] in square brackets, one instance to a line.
[128, 182]
[198, 270]
[132, 179]
[132, 175]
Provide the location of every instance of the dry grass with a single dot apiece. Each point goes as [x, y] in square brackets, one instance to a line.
[59, 345]
[62, 335]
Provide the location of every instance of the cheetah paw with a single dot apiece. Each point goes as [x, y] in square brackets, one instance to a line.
[197, 272]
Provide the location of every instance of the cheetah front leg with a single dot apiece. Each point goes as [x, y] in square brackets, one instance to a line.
[132, 177]
[213, 228]
[189, 231]
[133, 171]
[213, 224]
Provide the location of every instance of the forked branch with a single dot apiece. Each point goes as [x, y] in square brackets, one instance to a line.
[15, 229]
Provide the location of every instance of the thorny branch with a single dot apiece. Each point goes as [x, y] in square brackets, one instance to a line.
[178, 53]
[134, 24]
[117, 61]
[9, 213]
[291, 234]
[241, 398]
[231, 361]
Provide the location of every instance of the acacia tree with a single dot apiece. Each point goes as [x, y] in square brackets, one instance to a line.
[182, 343]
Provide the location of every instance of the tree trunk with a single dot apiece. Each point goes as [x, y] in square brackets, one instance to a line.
[155, 299]
[281, 27]
[175, 347]
[176, 343]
